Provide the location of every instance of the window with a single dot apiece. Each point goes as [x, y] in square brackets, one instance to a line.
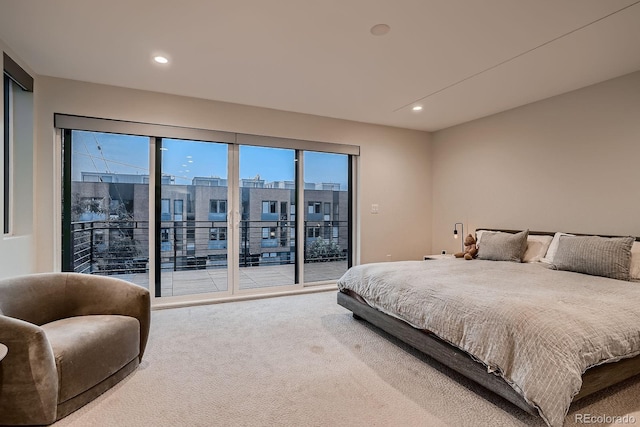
[217, 206]
[283, 236]
[327, 211]
[178, 206]
[283, 211]
[165, 244]
[269, 207]
[268, 232]
[314, 207]
[191, 231]
[165, 211]
[217, 210]
[185, 233]
[17, 162]
[313, 232]
[218, 233]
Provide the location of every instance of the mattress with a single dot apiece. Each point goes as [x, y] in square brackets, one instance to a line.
[537, 328]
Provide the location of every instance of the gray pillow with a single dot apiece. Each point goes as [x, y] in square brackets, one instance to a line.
[503, 246]
[595, 255]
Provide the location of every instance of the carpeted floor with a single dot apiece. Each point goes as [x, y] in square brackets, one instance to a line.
[302, 361]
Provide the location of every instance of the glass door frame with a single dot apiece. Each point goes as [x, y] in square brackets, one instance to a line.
[64, 124]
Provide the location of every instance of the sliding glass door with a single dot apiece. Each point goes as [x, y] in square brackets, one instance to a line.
[193, 218]
[106, 205]
[326, 216]
[267, 188]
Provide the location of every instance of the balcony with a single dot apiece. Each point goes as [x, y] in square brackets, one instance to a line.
[193, 254]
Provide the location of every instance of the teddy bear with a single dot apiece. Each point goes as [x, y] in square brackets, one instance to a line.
[470, 249]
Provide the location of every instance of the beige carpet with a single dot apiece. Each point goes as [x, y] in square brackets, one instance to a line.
[301, 361]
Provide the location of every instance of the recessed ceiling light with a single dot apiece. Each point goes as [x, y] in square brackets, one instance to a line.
[161, 59]
[380, 29]
[417, 108]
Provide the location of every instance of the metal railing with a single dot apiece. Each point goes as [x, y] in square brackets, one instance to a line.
[122, 246]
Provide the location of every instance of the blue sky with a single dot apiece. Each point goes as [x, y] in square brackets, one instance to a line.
[185, 159]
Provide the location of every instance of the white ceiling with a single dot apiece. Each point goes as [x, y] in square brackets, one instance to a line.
[459, 59]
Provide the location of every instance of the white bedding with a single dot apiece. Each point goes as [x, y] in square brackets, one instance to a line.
[539, 329]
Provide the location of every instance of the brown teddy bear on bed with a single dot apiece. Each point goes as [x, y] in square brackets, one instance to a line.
[470, 249]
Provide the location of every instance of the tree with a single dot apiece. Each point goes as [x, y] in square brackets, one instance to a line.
[117, 250]
[321, 250]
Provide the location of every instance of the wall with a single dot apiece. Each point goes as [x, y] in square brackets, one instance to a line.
[566, 163]
[394, 171]
[16, 249]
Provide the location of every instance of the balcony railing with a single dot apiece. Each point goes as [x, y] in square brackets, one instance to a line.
[120, 247]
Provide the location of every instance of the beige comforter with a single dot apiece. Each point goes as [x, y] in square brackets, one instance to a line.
[539, 329]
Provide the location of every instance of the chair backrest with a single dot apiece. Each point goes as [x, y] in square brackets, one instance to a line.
[36, 298]
[46, 297]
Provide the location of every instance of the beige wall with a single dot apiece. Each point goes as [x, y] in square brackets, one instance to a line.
[565, 163]
[568, 163]
[394, 165]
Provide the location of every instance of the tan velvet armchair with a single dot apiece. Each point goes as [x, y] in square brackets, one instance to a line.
[70, 337]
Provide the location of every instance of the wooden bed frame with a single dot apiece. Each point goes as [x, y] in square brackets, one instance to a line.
[593, 380]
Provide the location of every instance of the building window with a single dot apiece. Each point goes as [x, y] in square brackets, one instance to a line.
[165, 210]
[283, 211]
[218, 233]
[315, 207]
[178, 209]
[335, 232]
[268, 232]
[327, 211]
[283, 236]
[191, 231]
[165, 244]
[269, 207]
[217, 206]
[313, 232]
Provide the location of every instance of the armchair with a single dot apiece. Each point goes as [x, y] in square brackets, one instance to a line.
[70, 337]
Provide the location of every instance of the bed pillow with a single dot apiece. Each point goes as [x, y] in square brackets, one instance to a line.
[594, 255]
[536, 248]
[480, 233]
[634, 272]
[503, 246]
[553, 248]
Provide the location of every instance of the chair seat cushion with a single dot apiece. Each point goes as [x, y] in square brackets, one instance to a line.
[89, 349]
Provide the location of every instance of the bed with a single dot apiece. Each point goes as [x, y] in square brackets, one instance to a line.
[540, 334]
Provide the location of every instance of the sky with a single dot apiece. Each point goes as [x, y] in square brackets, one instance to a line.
[126, 154]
